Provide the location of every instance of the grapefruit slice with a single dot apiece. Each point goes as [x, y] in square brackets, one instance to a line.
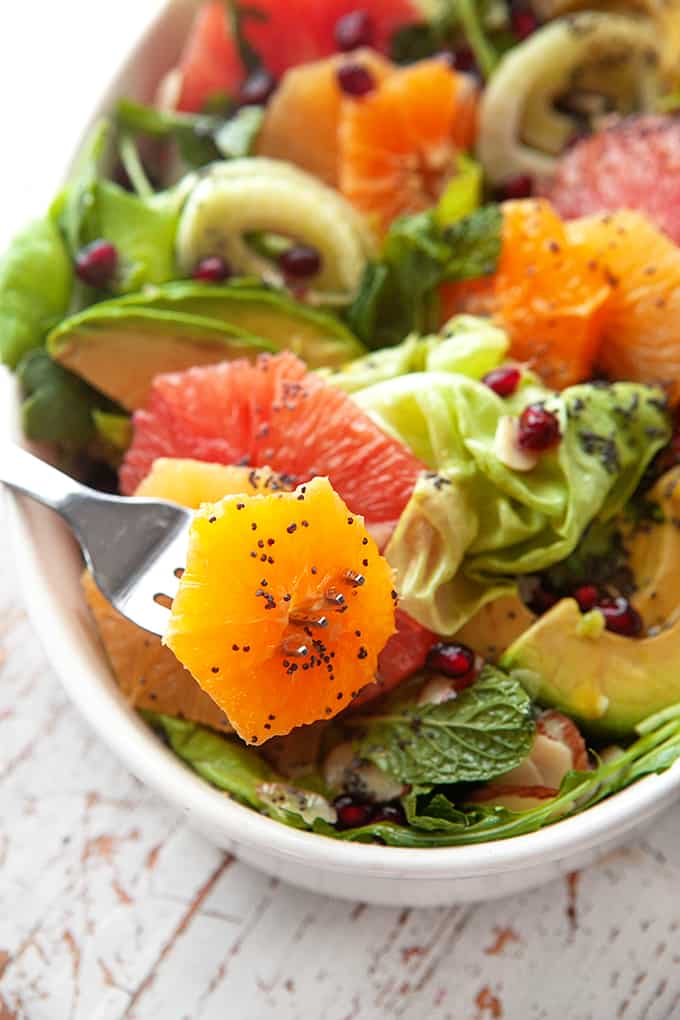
[399, 144]
[302, 119]
[274, 412]
[641, 331]
[288, 33]
[288, 636]
[634, 164]
[549, 295]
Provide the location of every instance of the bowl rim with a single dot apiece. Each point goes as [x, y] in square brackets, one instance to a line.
[135, 744]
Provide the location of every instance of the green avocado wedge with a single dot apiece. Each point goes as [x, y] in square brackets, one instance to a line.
[607, 682]
[119, 346]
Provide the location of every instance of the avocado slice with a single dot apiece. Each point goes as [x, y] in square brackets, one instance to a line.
[609, 683]
[119, 349]
[317, 337]
[120, 345]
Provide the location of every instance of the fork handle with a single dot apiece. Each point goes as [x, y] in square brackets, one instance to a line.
[25, 473]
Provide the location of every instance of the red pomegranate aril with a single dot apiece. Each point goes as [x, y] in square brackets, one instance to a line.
[542, 600]
[524, 23]
[453, 660]
[352, 813]
[211, 269]
[463, 59]
[503, 381]
[300, 262]
[521, 186]
[390, 813]
[621, 617]
[355, 80]
[258, 88]
[96, 264]
[539, 429]
[587, 596]
[354, 30]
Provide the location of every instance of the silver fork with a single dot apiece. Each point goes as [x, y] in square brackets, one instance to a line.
[135, 548]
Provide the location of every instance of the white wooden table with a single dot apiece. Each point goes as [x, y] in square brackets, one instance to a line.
[111, 908]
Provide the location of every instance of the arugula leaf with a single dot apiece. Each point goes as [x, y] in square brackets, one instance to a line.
[238, 14]
[435, 821]
[398, 293]
[483, 733]
[36, 279]
[59, 406]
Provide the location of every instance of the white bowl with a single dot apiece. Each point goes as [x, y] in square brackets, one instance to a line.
[49, 568]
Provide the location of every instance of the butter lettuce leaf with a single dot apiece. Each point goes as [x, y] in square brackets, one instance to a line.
[472, 523]
[467, 344]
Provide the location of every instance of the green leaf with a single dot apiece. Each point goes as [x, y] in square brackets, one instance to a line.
[238, 14]
[115, 430]
[475, 244]
[59, 406]
[193, 133]
[475, 34]
[36, 279]
[463, 193]
[223, 761]
[237, 136]
[483, 733]
[79, 200]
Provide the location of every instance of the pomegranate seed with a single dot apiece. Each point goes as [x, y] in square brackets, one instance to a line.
[587, 596]
[354, 30]
[452, 660]
[620, 617]
[524, 23]
[301, 261]
[463, 59]
[355, 80]
[96, 264]
[390, 813]
[539, 429]
[211, 269]
[517, 187]
[257, 89]
[352, 813]
[503, 381]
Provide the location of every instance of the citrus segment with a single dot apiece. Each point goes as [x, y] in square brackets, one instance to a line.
[274, 412]
[635, 164]
[283, 608]
[399, 143]
[302, 119]
[549, 294]
[641, 337]
[209, 64]
[194, 482]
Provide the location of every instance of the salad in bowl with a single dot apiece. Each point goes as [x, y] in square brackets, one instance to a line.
[388, 295]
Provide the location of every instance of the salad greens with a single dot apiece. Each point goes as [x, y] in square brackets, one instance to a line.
[473, 524]
[435, 815]
[36, 280]
[479, 735]
[398, 292]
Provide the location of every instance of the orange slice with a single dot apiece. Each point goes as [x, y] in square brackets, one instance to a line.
[283, 608]
[398, 144]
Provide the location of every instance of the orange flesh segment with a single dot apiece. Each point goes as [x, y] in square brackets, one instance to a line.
[302, 118]
[398, 144]
[246, 619]
[641, 335]
[549, 294]
[194, 482]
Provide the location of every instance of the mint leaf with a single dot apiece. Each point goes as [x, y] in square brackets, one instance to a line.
[483, 733]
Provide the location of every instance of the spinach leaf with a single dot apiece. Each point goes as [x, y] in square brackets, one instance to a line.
[225, 762]
[232, 766]
[78, 201]
[398, 293]
[59, 406]
[483, 733]
[194, 133]
[36, 279]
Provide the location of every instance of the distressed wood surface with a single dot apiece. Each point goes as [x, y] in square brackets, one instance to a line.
[112, 909]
